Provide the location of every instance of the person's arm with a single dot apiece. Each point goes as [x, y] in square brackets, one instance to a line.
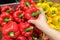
[42, 24]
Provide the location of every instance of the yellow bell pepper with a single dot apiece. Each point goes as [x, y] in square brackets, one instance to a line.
[49, 20]
[52, 26]
[56, 20]
[58, 27]
[56, 5]
[45, 7]
[50, 4]
[38, 5]
[52, 12]
[58, 10]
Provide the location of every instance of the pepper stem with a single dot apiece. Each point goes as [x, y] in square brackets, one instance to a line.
[58, 20]
[44, 8]
[53, 12]
[34, 38]
[28, 29]
[6, 19]
[11, 34]
[21, 15]
[41, 1]
[35, 14]
[51, 4]
[8, 11]
[27, 4]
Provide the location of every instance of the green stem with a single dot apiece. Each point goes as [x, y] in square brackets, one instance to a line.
[44, 8]
[46, 17]
[39, 12]
[6, 19]
[42, 35]
[51, 4]
[21, 15]
[27, 4]
[8, 11]
[34, 38]
[53, 12]
[35, 14]
[58, 20]
[41, 1]
[11, 34]
[28, 29]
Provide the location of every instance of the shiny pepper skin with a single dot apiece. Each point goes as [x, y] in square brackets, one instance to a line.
[20, 37]
[30, 38]
[19, 16]
[52, 12]
[26, 4]
[32, 13]
[11, 29]
[26, 28]
[6, 38]
[37, 32]
[7, 9]
[5, 17]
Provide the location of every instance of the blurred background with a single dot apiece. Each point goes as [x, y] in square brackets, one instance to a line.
[16, 1]
[8, 1]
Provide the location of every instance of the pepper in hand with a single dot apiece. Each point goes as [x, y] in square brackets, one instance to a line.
[32, 13]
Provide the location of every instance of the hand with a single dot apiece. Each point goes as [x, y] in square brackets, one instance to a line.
[41, 21]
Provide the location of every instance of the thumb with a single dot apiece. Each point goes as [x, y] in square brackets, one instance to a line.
[32, 21]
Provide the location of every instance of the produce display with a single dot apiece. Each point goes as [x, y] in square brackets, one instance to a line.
[52, 11]
[14, 23]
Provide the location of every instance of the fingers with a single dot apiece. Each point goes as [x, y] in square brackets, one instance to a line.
[42, 13]
[32, 21]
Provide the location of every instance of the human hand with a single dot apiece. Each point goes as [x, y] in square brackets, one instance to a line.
[41, 21]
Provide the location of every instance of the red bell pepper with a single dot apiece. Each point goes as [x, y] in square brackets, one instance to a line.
[11, 29]
[32, 13]
[21, 38]
[26, 4]
[6, 38]
[26, 28]
[20, 8]
[18, 16]
[1, 20]
[32, 38]
[5, 17]
[37, 32]
[7, 9]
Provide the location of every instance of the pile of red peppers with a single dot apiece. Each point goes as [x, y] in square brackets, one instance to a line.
[14, 23]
